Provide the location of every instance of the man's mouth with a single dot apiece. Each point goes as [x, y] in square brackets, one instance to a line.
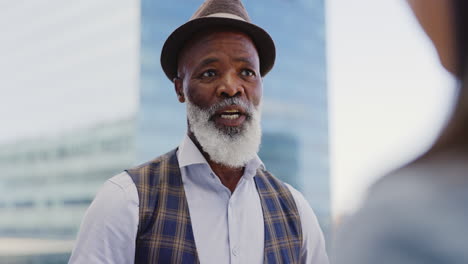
[230, 116]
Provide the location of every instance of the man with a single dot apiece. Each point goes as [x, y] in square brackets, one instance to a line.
[210, 200]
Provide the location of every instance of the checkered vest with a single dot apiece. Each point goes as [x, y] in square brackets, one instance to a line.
[165, 232]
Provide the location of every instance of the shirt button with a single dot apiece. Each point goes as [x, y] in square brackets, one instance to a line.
[235, 251]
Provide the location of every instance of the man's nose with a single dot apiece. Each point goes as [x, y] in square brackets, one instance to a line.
[231, 86]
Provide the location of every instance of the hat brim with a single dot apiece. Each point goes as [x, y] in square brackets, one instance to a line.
[175, 42]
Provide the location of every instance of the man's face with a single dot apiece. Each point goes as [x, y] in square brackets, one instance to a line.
[219, 77]
[219, 65]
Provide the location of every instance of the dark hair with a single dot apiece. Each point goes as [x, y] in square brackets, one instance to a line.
[454, 136]
[461, 23]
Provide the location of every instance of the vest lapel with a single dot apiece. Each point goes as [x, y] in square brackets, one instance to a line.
[283, 232]
[165, 232]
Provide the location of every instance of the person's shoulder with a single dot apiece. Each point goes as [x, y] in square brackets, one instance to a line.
[306, 212]
[405, 184]
[149, 172]
[301, 203]
[118, 188]
[420, 206]
[400, 198]
[297, 195]
[116, 199]
[122, 181]
[389, 214]
[424, 182]
[425, 194]
[109, 226]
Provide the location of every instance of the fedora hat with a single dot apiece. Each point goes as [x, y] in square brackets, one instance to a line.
[218, 13]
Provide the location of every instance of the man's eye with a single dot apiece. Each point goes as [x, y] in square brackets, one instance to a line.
[208, 74]
[247, 72]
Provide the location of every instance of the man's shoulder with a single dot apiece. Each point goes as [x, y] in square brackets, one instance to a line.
[301, 202]
[270, 177]
[121, 180]
[278, 182]
[284, 189]
[164, 167]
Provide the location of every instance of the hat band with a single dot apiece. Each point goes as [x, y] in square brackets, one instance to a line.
[226, 15]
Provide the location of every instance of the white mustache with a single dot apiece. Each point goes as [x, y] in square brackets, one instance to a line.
[249, 108]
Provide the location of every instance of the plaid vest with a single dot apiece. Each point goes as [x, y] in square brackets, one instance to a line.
[165, 232]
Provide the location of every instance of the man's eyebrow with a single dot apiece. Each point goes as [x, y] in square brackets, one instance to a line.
[244, 59]
[206, 62]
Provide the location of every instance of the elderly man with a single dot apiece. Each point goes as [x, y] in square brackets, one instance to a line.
[211, 199]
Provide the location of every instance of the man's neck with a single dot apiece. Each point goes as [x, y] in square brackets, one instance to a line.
[229, 176]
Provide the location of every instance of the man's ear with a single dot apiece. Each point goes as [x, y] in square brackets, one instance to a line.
[179, 89]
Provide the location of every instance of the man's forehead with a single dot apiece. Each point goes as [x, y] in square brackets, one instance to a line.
[200, 42]
[215, 35]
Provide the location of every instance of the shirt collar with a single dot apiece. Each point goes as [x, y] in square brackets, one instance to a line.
[188, 154]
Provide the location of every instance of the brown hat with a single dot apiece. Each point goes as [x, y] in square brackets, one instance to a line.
[218, 13]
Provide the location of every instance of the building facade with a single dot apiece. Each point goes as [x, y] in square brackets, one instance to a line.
[48, 183]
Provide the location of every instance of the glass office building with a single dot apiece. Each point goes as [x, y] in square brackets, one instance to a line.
[295, 117]
[48, 183]
[69, 87]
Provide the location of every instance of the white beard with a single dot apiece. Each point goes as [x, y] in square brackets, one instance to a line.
[230, 146]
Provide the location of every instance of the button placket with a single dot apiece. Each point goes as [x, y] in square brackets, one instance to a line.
[233, 230]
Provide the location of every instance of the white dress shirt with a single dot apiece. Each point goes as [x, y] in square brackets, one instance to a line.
[228, 227]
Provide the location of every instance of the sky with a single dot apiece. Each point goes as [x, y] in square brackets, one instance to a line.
[388, 96]
[66, 64]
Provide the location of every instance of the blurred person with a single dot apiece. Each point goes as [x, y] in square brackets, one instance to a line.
[419, 213]
[210, 200]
